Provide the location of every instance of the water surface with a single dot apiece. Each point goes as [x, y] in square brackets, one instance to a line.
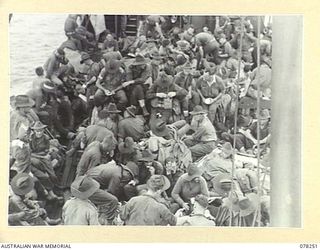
[32, 38]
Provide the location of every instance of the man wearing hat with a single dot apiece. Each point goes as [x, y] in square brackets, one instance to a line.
[139, 44]
[20, 156]
[116, 55]
[149, 48]
[41, 159]
[207, 45]
[40, 145]
[39, 141]
[203, 140]
[96, 153]
[247, 179]
[165, 142]
[183, 45]
[220, 162]
[79, 106]
[248, 206]
[79, 210]
[70, 25]
[152, 47]
[53, 108]
[166, 98]
[153, 26]
[222, 184]
[166, 48]
[95, 132]
[40, 96]
[225, 47]
[188, 186]
[181, 59]
[146, 209]
[139, 72]
[117, 179]
[211, 89]
[247, 39]
[21, 117]
[159, 128]
[92, 74]
[99, 131]
[148, 166]
[53, 66]
[113, 117]
[243, 210]
[185, 79]
[105, 197]
[244, 122]
[75, 45]
[110, 44]
[198, 216]
[188, 34]
[228, 206]
[263, 78]
[84, 37]
[111, 79]
[156, 61]
[19, 213]
[23, 208]
[249, 138]
[132, 125]
[128, 151]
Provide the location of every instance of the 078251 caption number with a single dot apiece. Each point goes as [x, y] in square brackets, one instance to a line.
[309, 246]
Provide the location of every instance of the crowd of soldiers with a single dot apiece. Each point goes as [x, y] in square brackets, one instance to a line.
[140, 130]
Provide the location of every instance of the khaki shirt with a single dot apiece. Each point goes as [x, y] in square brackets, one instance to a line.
[19, 125]
[79, 212]
[195, 220]
[111, 81]
[185, 189]
[205, 131]
[146, 210]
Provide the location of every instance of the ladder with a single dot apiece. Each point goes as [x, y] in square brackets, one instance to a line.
[132, 26]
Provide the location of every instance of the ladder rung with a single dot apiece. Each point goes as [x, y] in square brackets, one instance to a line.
[132, 25]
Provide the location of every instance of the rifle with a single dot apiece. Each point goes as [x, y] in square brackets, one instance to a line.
[122, 86]
[47, 131]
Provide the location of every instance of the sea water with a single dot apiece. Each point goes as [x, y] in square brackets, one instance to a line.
[32, 39]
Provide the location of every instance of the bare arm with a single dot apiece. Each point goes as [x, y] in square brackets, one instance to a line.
[100, 79]
[158, 29]
[92, 80]
[50, 68]
[139, 28]
[176, 192]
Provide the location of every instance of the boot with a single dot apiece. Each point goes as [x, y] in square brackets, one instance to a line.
[53, 222]
[143, 107]
[145, 111]
[52, 196]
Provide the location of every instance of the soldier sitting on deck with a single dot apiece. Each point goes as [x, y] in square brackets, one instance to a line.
[140, 72]
[56, 65]
[166, 98]
[110, 80]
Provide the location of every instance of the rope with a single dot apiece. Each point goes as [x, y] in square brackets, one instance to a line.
[257, 214]
[236, 117]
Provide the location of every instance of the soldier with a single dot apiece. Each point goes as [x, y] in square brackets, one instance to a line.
[140, 72]
[166, 98]
[56, 65]
[110, 83]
